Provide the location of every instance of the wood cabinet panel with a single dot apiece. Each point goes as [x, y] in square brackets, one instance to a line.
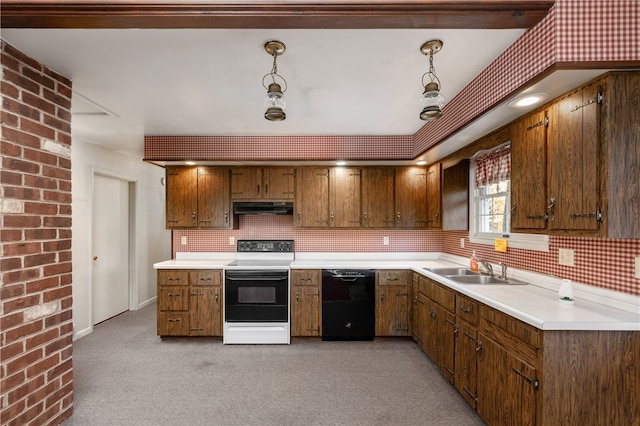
[529, 172]
[258, 183]
[205, 311]
[246, 183]
[378, 197]
[466, 374]
[306, 302]
[205, 278]
[312, 198]
[173, 323]
[392, 303]
[411, 197]
[434, 196]
[467, 309]
[344, 197]
[173, 298]
[279, 183]
[181, 197]
[173, 277]
[214, 201]
[455, 197]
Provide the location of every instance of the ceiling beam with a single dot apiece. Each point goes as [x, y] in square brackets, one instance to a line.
[283, 14]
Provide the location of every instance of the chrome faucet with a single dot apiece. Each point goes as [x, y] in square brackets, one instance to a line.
[487, 266]
[503, 273]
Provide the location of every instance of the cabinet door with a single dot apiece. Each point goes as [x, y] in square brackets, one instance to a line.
[434, 203]
[455, 197]
[279, 183]
[378, 200]
[466, 362]
[344, 197]
[205, 313]
[246, 183]
[181, 197]
[305, 310]
[214, 203]
[529, 172]
[422, 321]
[411, 197]
[506, 386]
[312, 198]
[573, 161]
[392, 303]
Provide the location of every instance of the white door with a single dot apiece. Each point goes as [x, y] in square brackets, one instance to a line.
[110, 288]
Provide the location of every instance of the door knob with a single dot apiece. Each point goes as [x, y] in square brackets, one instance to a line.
[95, 257]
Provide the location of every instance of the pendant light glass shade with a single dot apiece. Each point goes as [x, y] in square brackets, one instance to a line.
[274, 102]
[432, 100]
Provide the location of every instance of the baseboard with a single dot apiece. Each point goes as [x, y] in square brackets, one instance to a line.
[81, 333]
[147, 302]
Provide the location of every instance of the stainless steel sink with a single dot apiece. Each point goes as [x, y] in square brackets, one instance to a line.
[452, 271]
[483, 279]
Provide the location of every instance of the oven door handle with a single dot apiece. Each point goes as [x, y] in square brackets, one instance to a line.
[257, 278]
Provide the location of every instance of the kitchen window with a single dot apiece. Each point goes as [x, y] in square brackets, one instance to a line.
[490, 203]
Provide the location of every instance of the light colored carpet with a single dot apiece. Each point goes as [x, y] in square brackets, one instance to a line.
[126, 375]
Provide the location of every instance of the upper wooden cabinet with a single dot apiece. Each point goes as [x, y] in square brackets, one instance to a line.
[198, 197]
[312, 200]
[411, 197]
[378, 197]
[576, 176]
[434, 196]
[455, 197]
[256, 183]
[344, 197]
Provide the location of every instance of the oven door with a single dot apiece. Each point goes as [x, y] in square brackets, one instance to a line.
[256, 296]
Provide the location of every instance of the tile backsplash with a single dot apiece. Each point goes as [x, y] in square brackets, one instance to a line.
[602, 263]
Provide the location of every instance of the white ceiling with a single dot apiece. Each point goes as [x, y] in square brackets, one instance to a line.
[209, 81]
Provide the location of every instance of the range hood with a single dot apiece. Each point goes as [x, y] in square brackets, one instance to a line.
[262, 207]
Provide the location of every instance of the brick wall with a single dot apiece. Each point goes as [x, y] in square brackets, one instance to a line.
[36, 373]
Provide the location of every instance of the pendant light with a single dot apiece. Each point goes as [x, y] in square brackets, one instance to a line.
[431, 100]
[274, 101]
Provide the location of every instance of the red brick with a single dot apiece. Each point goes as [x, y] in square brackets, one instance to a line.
[26, 389]
[22, 331]
[64, 233]
[40, 208]
[29, 416]
[11, 382]
[46, 159]
[56, 269]
[21, 362]
[9, 178]
[9, 291]
[66, 353]
[20, 303]
[19, 249]
[41, 338]
[58, 345]
[10, 412]
[10, 263]
[40, 234]
[57, 196]
[11, 235]
[21, 81]
[19, 56]
[66, 304]
[59, 370]
[56, 123]
[56, 245]
[64, 86]
[9, 351]
[40, 394]
[66, 278]
[57, 221]
[66, 377]
[57, 172]
[65, 163]
[21, 109]
[23, 166]
[21, 193]
[9, 148]
[38, 103]
[57, 319]
[62, 101]
[59, 394]
[65, 185]
[20, 221]
[50, 412]
[64, 256]
[41, 367]
[57, 294]
[9, 119]
[38, 77]
[43, 284]
[64, 115]
[21, 275]
[34, 128]
[39, 259]
[21, 138]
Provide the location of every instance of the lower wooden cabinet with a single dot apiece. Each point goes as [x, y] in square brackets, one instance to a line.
[189, 303]
[392, 302]
[306, 302]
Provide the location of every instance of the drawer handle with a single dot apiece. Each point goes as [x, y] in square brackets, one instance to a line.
[531, 381]
[466, 310]
[173, 294]
[475, 398]
[174, 319]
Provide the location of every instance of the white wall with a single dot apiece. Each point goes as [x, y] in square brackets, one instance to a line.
[152, 240]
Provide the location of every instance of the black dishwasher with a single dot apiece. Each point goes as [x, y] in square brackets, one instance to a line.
[348, 304]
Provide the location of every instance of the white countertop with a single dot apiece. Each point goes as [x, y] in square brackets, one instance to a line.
[535, 304]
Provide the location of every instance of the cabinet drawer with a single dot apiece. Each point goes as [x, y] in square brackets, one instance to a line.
[310, 277]
[173, 324]
[173, 298]
[516, 328]
[206, 277]
[173, 277]
[392, 277]
[441, 295]
[467, 309]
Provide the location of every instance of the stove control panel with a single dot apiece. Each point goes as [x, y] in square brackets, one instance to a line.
[265, 246]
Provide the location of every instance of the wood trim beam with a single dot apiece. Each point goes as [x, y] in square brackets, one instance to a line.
[295, 14]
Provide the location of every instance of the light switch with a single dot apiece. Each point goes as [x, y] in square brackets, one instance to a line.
[385, 241]
[232, 241]
[461, 242]
[566, 257]
[183, 240]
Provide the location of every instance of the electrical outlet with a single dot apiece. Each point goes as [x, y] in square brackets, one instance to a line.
[183, 240]
[461, 242]
[232, 241]
[566, 257]
[385, 241]
[637, 274]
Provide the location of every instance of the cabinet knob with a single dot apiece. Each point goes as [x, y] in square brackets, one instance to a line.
[297, 296]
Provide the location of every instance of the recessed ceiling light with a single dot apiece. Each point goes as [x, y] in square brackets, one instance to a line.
[421, 163]
[190, 163]
[528, 100]
[341, 163]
